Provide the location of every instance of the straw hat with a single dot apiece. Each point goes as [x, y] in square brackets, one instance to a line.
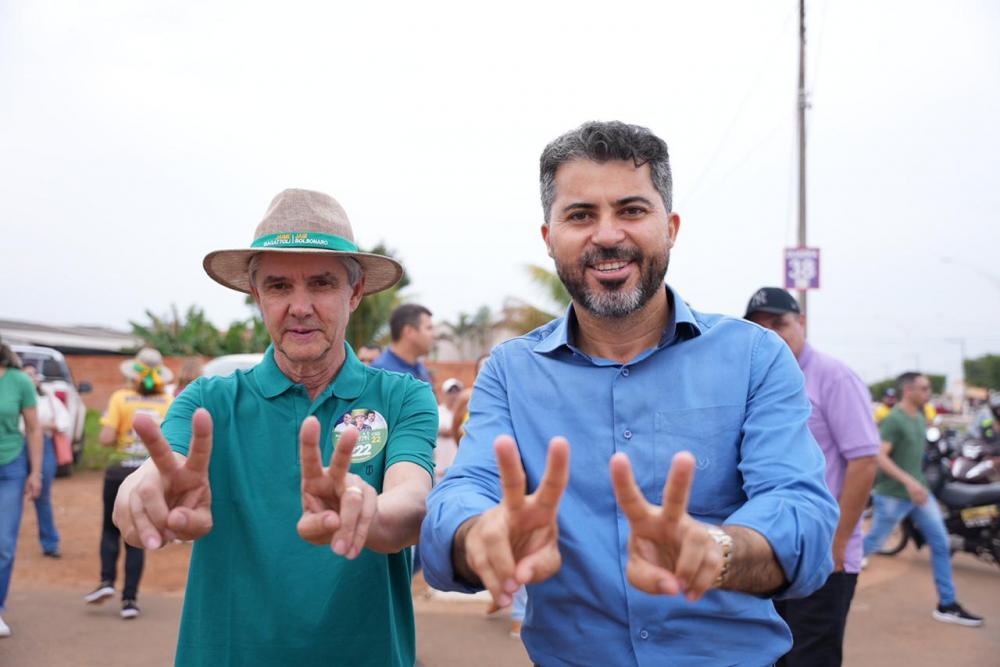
[147, 363]
[305, 222]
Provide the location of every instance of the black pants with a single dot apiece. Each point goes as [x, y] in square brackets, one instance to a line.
[817, 623]
[111, 541]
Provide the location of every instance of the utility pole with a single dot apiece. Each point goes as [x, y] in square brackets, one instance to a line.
[802, 139]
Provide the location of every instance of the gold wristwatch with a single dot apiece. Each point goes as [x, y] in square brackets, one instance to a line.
[724, 540]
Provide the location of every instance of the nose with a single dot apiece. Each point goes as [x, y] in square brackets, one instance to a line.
[300, 305]
[608, 232]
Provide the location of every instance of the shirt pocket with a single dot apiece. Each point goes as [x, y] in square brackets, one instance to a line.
[713, 436]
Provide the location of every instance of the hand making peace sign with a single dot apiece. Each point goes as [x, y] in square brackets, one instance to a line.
[517, 542]
[338, 507]
[669, 552]
[174, 500]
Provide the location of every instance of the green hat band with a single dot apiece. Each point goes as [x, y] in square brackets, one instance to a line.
[304, 240]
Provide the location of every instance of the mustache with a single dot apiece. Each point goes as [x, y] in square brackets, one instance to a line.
[620, 253]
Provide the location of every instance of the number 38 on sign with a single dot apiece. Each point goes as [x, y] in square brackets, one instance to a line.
[801, 268]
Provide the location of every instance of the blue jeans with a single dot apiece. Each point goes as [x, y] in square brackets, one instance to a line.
[12, 478]
[890, 510]
[47, 533]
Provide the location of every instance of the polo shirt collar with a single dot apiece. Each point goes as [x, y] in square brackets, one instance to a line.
[348, 384]
[682, 324]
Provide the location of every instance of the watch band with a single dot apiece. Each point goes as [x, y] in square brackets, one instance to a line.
[725, 541]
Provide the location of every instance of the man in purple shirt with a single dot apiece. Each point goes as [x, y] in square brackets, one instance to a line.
[842, 424]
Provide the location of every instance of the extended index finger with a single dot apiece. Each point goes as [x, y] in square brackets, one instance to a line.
[678, 487]
[200, 451]
[512, 479]
[309, 458]
[157, 446]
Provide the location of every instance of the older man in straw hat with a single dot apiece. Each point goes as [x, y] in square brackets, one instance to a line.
[294, 562]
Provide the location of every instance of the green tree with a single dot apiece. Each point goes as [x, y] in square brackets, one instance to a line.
[174, 335]
[471, 334]
[520, 316]
[983, 371]
[370, 322]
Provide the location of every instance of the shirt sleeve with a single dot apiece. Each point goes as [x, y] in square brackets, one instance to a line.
[113, 415]
[176, 427]
[29, 397]
[783, 471]
[414, 435]
[850, 420]
[889, 430]
[472, 484]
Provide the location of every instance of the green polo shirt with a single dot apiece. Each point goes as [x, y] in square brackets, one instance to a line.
[257, 594]
[908, 435]
[17, 392]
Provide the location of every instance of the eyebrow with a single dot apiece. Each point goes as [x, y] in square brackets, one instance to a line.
[624, 201]
[326, 275]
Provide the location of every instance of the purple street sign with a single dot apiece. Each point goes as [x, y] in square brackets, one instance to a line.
[801, 268]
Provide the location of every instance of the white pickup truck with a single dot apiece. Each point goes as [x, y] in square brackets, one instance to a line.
[58, 378]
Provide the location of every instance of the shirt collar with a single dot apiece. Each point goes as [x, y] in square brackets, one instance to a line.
[348, 384]
[682, 325]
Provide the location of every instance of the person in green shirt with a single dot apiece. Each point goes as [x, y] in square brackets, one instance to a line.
[17, 479]
[293, 562]
[901, 490]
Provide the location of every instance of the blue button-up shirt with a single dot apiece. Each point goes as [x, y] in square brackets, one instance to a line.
[724, 389]
[390, 361]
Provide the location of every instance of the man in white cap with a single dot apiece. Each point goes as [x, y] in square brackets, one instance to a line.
[294, 563]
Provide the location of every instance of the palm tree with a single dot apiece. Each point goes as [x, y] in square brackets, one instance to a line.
[519, 316]
[471, 334]
[370, 322]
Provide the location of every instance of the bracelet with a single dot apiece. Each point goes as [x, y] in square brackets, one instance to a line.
[724, 540]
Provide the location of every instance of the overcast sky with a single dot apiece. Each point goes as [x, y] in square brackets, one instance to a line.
[136, 137]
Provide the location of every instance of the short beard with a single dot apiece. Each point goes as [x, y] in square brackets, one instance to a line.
[614, 302]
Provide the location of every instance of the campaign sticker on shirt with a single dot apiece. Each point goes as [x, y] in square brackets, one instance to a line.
[373, 433]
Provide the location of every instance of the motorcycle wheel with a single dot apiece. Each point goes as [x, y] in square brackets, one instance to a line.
[896, 541]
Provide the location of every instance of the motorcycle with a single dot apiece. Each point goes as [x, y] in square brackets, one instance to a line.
[970, 505]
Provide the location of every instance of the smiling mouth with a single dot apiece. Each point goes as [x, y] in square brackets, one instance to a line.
[610, 266]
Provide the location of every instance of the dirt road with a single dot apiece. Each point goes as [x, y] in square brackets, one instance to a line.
[890, 620]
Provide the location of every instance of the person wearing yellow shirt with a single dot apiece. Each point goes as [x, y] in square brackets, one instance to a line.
[889, 400]
[146, 395]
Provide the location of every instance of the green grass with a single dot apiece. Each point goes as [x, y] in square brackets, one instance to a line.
[95, 456]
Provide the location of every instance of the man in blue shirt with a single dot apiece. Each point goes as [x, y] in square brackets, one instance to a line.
[412, 332]
[710, 410]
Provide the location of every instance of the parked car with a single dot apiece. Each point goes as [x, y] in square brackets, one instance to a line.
[59, 380]
[228, 364]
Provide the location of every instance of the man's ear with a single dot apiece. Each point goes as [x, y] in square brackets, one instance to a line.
[545, 237]
[673, 227]
[357, 293]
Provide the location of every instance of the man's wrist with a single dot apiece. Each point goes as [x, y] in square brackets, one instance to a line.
[725, 542]
[459, 562]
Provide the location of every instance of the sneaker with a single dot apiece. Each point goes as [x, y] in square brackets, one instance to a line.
[100, 594]
[953, 613]
[129, 609]
[4, 629]
[52, 554]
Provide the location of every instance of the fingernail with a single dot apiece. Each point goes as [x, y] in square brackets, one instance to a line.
[510, 586]
[339, 546]
[504, 601]
[152, 542]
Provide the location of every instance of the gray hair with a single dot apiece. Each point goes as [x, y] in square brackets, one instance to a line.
[351, 265]
[603, 141]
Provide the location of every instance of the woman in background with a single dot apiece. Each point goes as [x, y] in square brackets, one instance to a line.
[146, 395]
[53, 417]
[17, 402]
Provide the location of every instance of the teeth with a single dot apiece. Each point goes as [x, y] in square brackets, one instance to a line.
[610, 266]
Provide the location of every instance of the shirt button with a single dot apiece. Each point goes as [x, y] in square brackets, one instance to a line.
[625, 372]
[627, 434]
[643, 634]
